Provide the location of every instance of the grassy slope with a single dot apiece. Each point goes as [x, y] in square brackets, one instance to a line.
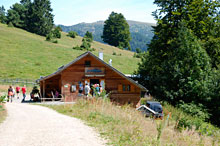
[26, 55]
[124, 126]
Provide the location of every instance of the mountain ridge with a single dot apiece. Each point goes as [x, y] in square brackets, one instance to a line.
[141, 32]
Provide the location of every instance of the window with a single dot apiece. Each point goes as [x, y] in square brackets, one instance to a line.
[126, 88]
[88, 63]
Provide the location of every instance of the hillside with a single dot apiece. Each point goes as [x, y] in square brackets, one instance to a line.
[29, 56]
[141, 32]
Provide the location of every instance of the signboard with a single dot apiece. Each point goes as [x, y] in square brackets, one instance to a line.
[94, 71]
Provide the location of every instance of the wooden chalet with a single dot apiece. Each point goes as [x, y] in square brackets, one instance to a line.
[90, 69]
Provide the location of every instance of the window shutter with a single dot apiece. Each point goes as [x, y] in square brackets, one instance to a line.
[120, 88]
[132, 88]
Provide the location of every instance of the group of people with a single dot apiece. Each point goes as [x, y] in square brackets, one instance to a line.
[12, 92]
[95, 89]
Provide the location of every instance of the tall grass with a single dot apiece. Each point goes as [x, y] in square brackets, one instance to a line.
[3, 112]
[124, 126]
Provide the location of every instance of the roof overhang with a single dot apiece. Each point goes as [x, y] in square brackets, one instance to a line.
[89, 53]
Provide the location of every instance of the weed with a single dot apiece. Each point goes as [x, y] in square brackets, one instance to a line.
[3, 98]
[123, 125]
[3, 112]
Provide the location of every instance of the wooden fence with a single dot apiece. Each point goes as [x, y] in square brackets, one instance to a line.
[18, 82]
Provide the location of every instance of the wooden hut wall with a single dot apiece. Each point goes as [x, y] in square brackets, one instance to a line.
[51, 84]
[113, 82]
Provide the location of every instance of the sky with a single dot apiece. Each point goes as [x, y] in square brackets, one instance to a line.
[70, 12]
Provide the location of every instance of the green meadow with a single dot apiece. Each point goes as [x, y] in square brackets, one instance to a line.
[28, 56]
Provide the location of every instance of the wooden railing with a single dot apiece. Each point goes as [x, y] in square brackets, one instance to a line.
[18, 81]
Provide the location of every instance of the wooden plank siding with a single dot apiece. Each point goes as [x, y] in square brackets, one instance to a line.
[75, 73]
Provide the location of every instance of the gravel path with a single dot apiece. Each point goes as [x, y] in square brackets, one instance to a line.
[32, 125]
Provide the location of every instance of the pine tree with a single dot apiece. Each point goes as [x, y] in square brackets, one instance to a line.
[40, 19]
[3, 18]
[88, 36]
[17, 15]
[116, 31]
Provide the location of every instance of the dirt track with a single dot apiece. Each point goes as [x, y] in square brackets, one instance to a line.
[32, 125]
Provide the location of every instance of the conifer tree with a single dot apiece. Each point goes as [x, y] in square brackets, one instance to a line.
[40, 19]
[17, 15]
[88, 36]
[3, 18]
[116, 31]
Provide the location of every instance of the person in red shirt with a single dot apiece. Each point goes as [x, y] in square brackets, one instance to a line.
[23, 89]
[18, 91]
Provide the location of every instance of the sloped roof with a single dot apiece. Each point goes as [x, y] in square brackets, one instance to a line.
[84, 55]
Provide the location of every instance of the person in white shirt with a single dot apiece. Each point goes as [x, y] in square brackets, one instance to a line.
[87, 90]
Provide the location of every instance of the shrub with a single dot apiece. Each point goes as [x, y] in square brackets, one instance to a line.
[3, 98]
[184, 123]
[55, 41]
[77, 48]
[114, 53]
[138, 55]
[85, 45]
[88, 37]
[10, 24]
[143, 101]
[72, 34]
[91, 49]
[195, 110]
[56, 33]
[49, 37]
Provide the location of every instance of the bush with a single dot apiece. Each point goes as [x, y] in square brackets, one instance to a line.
[56, 33]
[114, 53]
[72, 34]
[77, 48]
[138, 55]
[10, 24]
[88, 37]
[3, 98]
[143, 101]
[55, 41]
[91, 49]
[195, 110]
[184, 123]
[85, 45]
[49, 37]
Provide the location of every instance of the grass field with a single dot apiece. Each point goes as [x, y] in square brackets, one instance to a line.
[29, 56]
[124, 126]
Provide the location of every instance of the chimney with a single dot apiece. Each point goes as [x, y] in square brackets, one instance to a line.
[110, 62]
[101, 55]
